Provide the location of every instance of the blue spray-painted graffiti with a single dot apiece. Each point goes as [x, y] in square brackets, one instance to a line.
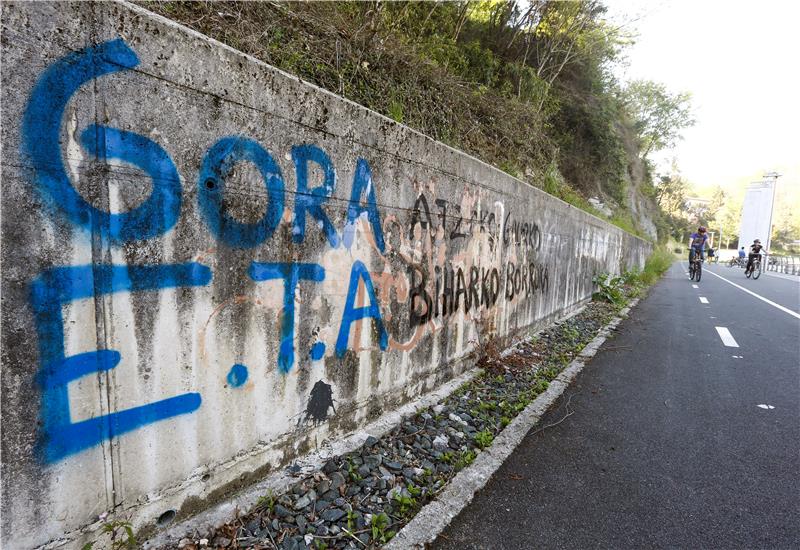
[61, 285]
[217, 165]
[311, 200]
[237, 376]
[362, 182]
[58, 286]
[351, 314]
[41, 125]
[291, 273]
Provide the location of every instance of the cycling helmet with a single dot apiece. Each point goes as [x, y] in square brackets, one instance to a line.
[757, 241]
[701, 229]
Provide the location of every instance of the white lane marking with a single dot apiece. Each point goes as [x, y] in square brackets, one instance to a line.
[703, 300]
[695, 286]
[726, 337]
[770, 302]
[738, 356]
[712, 317]
[763, 406]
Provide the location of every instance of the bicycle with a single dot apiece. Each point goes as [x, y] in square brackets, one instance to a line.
[738, 262]
[696, 268]
[755, 270]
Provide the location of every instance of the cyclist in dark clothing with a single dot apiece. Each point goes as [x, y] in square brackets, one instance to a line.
[697, 242]
[755, 252]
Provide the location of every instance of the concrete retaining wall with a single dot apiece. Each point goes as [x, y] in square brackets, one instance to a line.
[209, 266]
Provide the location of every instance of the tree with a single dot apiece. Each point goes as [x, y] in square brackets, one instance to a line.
[659, 116]
[671, 193]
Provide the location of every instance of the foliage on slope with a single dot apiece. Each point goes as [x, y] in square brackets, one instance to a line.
[525, 87]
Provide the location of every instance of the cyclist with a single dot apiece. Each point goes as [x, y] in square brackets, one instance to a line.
[742, 253]
[697, 242]
[755, 252]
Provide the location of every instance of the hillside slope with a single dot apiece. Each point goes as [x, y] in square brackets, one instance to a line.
[448, 70]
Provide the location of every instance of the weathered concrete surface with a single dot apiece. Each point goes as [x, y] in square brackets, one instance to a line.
[208, 266]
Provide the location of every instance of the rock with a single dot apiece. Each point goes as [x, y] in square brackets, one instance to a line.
[333, 514]
[364, 538]
[322, 531]
[426, 416]
[394, 466]
[203, 542]
[373, 461]
[330, 467]
[353, 491]
[337, 480]
[321, 505]
[409, 473]
[425, 442]
[465, 417]
[441, 442]
[370, 441]
[335, 530]
[183, 543]
[254, 526]
[323, 487]
[428, 465]
[457, 419]
[282, 511]
[369, 483]
[340, 502]
[276, 526]
[302, 523]
[363, 470]
[302, 502]
[382, 484]
[331, 495]
[220, 542]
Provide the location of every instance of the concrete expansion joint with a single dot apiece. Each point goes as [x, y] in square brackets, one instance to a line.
[434, 517]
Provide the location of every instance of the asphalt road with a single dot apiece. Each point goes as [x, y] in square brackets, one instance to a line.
[674, 440]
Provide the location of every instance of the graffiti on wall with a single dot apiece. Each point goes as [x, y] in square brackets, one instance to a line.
[437, 287]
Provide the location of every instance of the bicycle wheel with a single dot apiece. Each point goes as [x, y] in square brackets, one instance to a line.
[698, 272]
[691, 271]
[747, 272]
[756, 270]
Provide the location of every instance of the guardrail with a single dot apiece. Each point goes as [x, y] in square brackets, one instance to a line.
[784, 264]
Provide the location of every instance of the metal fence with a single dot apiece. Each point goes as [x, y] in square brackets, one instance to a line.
[784, 264]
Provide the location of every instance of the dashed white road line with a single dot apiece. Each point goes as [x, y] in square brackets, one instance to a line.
[726, 337]
[770, 302]
[703, 300]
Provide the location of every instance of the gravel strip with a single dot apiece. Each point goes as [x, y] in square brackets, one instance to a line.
[362, 498]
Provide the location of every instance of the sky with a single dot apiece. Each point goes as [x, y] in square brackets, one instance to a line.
[739, 60]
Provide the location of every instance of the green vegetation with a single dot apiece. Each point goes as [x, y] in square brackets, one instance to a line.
[467, 458]
[655, 266]
[266, 502]
[121, 533]
[378, 527]
[525, 86]
[609, 288]
[483, 439]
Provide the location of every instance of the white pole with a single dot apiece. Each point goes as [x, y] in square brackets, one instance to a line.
[774, 176]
